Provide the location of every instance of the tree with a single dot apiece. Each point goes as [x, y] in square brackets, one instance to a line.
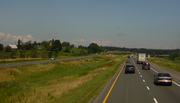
[93, 48]
[65, 44]
[34, 53]
[56, 45]
[28, 45]
[1, 47]
[67, 50]
[35, 44]
[19, 44]
[71, 46]
[101, 49]
[80, 47]
[8, 49]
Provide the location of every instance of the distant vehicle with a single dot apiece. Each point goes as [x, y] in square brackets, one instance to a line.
[146, 65]
[141, 58]
[129, 56]
[163, 78]
[129, 68]
[127, 61]
[52, 58]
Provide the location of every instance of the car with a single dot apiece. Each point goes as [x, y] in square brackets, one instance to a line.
[127, 61]
[163, 78]
[129, 68]
[52, 58]
[146, 65]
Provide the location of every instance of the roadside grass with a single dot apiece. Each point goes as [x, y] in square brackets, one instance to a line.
[88, 90]
[51, 82]
[5, 58]
[165, 62]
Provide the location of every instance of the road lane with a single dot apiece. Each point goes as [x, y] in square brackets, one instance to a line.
[139, 88]
[163, 94]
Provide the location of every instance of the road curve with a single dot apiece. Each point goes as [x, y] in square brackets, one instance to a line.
[138, 88]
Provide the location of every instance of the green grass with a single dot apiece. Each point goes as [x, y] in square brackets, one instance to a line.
[28, 81]
[165, 62]
[85, 92]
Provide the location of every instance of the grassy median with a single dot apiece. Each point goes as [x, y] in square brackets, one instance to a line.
[66, 82]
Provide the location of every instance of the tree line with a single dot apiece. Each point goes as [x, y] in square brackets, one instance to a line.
[171, 53]
[49, 48]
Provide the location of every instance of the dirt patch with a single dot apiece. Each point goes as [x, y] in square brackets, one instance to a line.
[18, 59]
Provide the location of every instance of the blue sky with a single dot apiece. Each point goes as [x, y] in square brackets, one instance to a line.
[121, 23]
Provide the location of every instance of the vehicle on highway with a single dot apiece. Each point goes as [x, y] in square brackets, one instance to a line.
[146, 65]
[163, 78]
[129, 68]
[52, 58]
[127, 61]
[141, 58]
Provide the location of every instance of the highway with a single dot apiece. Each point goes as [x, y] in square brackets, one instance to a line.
[138, 87]
[42, 61]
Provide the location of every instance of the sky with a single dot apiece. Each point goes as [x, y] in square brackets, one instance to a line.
[152, 24]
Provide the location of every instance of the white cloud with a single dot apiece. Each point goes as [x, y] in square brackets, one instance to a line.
[103, 43]
[6, 39]
[78, 42]
[29, 36]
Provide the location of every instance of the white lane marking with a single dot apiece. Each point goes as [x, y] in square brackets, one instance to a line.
[155, 100]
[172, 81]
[140, 75]
[176, 83]
[154, 70]
[144, 80]
[147, 87]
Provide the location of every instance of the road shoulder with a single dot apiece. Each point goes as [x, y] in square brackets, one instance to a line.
[173, 73]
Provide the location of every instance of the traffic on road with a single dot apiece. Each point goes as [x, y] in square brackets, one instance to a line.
[143, 86]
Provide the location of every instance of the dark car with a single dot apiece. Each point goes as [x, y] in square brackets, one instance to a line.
[146, 65]
[163, 78]
[129, 68]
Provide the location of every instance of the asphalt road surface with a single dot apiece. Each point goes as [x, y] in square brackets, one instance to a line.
[138, 87]
[42, 61]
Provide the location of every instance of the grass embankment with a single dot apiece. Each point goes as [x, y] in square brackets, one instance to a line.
[65, 82]
[165, 62]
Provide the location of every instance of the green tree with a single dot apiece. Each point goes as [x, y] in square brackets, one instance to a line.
[93, 48]
[8, 49]
[102, 49]
[172, 56]
[19, 44]
[34, 53]
[12, 54]
[67, 50]
[1, 47]
[65, 44]
[28, 45]
[71, 46]
[56, 45]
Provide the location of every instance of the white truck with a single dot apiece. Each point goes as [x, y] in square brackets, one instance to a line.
[141, 57]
